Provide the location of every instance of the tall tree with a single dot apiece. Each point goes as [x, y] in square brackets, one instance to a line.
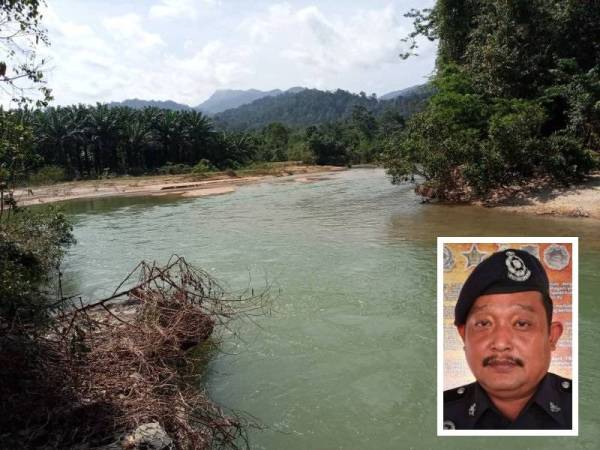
[20, 69]
[516, 97]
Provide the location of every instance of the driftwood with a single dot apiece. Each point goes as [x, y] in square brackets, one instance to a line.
[123, 361]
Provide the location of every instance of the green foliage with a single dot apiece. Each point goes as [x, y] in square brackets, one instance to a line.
[203, 166]
[88, 142]
[300, 151]
[174, 169]
[515, 99]
[329, 144]
[32, 245]
[47, 175]
[276, 137]
[17, 154]
[20, 36]
[313, 107]
[102, 141]
[568, 158]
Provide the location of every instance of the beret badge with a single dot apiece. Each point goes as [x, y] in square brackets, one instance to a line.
[517, 270]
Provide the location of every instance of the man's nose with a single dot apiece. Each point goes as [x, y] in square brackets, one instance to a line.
[502, 338]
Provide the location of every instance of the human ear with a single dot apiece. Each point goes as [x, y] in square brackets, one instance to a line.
[556, 330]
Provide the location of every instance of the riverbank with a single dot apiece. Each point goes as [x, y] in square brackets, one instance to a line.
[188, 185]
[580, 200]
[123, 372]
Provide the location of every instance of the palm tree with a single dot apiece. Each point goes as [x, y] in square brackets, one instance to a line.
[169, 133]
[103, 131]
[56, 135]
[136, 137]
[199, 136]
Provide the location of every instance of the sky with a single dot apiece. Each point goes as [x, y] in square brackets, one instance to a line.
[184, 50]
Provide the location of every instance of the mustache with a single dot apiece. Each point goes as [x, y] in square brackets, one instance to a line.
[490, 360]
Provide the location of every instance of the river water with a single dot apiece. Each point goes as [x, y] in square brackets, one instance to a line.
[346, 358]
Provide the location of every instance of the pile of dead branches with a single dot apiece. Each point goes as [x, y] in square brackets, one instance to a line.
[128, 360]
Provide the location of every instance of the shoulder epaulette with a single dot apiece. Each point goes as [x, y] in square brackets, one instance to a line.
[458, 393]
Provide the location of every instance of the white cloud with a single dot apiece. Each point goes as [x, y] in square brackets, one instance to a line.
[325, 45]
[178, 8]
[213, 64]
[106, 56]
[115, 58]
[129, 31]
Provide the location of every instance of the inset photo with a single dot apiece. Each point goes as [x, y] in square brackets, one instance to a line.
[507, 336]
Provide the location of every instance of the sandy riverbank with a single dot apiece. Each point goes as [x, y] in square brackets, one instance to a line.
[581, 200]
[184, 185]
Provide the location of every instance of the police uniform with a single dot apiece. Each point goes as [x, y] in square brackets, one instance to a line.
[469, 406]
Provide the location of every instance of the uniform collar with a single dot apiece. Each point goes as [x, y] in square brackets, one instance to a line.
[546, 397]
[480, 404]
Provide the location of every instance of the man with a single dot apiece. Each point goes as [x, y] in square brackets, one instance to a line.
[504, 317]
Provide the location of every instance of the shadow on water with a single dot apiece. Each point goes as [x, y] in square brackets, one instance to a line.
[427, 221]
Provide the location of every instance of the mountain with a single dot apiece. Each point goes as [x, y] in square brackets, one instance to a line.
[312, 107]
[140, 104]
[408, 92]
[224, 99]
[296, 107]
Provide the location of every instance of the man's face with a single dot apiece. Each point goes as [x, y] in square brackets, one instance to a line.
[508, 342]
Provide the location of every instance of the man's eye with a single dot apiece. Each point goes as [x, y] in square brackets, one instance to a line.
[482, 323]
[522, 324]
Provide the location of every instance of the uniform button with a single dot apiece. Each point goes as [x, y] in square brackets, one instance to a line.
[449, 425]
[460, 391]
[565, 385]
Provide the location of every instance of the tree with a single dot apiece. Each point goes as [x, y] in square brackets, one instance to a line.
[31, 243]
[276, 137]
[515, 97]
[20, 35]
[199, 136]
[328, 144]
[17, 154]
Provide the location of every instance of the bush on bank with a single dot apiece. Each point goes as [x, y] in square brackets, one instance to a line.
[508, 107]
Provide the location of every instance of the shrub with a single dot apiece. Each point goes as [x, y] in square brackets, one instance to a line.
[203, 166]
[48, 175]
[299, 151]
[174, 169]
[32, 245]
[471, 142]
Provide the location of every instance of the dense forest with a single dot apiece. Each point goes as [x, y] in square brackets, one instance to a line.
[313, 107]
[517, 97]
[76, 142]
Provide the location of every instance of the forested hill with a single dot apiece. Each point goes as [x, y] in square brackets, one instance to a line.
[161, 104]
[224, 99]
[413, 91]
[312, 106]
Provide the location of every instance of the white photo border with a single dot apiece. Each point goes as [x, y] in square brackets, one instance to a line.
[441, 241]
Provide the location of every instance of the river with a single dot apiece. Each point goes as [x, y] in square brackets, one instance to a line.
[346, 357]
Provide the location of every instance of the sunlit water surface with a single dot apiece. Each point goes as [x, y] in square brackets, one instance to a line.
[346, 358]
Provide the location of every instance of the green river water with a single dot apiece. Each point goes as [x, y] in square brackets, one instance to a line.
[347, 357]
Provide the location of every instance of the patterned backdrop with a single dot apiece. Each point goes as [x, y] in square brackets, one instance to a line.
[461, 259]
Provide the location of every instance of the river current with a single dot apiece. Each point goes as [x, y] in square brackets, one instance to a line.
[346, 357]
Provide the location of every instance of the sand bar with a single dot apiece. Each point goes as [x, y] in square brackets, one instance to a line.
[581, 200]
[185, 185]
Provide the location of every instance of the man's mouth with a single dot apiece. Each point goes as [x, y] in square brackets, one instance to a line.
[502, 364]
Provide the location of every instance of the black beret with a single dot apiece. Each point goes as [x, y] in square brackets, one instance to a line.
[503, 272]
